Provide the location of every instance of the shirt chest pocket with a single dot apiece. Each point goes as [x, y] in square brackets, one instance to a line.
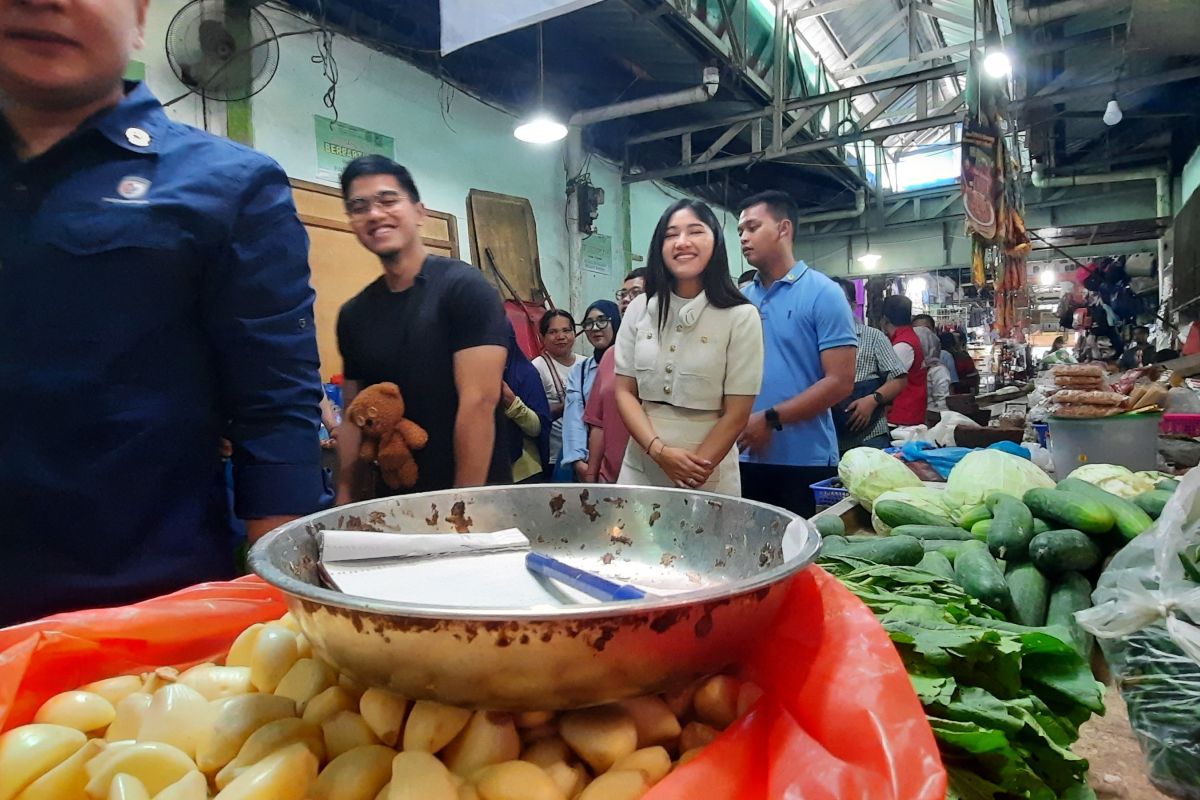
[129, 270]
[645, 347]
[97, 232]
[702, 356]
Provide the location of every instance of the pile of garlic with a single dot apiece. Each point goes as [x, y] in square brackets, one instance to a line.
[274, 723]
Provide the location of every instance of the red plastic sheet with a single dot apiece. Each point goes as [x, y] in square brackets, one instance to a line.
[838, 721]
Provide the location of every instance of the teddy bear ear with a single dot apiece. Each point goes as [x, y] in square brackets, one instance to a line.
[390, 389]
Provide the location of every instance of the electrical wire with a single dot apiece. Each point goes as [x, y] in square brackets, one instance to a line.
[324, 57]
[223, 67]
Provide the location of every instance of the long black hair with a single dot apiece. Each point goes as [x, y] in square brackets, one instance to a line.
[717, 282]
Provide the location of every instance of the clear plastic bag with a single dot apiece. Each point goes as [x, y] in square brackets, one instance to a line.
[1147, 620]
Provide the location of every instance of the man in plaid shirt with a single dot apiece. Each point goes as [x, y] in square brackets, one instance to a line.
[875, 363]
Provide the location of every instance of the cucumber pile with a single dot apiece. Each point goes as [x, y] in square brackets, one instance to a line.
[1013, 554]
[1021, 566]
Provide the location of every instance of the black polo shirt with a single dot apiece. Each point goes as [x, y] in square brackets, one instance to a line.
[409, 338]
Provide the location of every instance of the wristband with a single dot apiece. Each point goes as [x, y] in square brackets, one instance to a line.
[651, 444]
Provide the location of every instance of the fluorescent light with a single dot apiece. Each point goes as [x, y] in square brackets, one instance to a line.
[540, 129]
[869, 260]
[997, 64]
[1112, 113]
[1048, 277]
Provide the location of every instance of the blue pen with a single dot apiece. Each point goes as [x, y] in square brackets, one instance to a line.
[582, 580]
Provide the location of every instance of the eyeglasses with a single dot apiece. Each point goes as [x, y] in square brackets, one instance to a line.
[629, 294]
[595, 323]
[385, 200]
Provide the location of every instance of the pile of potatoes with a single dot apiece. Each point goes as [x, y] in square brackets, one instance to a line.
[274, 723]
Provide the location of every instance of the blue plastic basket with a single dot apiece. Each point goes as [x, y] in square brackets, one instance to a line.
[826, 494]
[1043, 433]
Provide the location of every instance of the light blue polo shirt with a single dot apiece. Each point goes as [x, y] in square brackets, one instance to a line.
[803, 313]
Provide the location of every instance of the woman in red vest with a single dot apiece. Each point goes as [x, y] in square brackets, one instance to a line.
[909, 406]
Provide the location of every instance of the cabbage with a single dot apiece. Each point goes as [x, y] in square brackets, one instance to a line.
[986, 471]
[868, 473]
[924, 498]
[1116, 479]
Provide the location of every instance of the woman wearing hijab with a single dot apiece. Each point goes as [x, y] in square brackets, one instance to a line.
[524, 403]
[689, 360]
[600, 324]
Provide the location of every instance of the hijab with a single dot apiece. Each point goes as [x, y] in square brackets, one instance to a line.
[525, 383]
[610, 310]
[613, 312]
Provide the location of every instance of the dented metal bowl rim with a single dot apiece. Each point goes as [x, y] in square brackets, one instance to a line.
[264, 555]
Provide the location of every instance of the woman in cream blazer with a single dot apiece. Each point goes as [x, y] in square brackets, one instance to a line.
[689, 360]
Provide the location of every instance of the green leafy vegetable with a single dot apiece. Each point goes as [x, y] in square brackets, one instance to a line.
[1004, 702]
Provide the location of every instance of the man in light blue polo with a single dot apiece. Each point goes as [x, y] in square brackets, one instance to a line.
[810, 344]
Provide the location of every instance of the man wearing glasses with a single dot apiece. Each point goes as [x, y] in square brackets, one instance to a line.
[431, 325]
[154, 299]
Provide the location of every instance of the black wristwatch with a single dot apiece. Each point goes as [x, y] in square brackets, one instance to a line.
[772, 418]
[878, 397]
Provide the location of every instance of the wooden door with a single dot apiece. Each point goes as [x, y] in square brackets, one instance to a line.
[341, 267]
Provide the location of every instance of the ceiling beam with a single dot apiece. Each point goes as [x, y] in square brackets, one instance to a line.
[900, 63]
[827, 143]
[872, 40]
[793, 7]
[945, 16]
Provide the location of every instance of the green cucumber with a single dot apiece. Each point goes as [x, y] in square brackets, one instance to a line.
[896, 551]
[1167, 484]
[830, 525]
[1055, 552]
[1072, 593]
[1153, 502]
[974, 514]
[895, 513]
[1041, 526]
[932, 532]
[1030, 591]
[978, 574]
[950, 548]
[1131, 520]
[938, 564]
[833, 545]
[1072, 510]
[1011, 529]
[981, 529]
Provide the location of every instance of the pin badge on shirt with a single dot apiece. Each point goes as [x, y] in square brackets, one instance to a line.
[132, 187]
[137, 137]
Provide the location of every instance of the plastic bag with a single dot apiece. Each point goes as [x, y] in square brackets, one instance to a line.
[943, 432]
[839, 719]
[1147, 619]
[42, 658]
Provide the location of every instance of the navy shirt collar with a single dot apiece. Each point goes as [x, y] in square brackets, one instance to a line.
[137, 123]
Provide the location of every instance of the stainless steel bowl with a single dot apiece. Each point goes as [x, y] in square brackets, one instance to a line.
[730, 550]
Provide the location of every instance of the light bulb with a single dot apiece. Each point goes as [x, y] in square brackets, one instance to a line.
[1112, 114]
[1048, 277]
[997, 64]
[540, 129]
[869, 260]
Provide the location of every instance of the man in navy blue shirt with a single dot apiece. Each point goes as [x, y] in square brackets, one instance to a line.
[154, 298]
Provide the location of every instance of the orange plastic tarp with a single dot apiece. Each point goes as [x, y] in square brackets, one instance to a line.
[838, 721]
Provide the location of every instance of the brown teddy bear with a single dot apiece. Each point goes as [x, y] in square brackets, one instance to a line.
[387, 437]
